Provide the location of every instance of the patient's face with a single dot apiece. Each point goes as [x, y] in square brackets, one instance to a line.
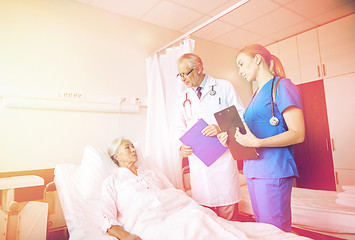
[127, 153]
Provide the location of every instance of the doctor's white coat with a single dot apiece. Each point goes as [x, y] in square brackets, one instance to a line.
[218, 184]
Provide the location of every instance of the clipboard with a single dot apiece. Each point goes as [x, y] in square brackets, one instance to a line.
[207, 149]
[228, 119]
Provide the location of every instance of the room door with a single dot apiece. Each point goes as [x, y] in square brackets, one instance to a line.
[314, 156]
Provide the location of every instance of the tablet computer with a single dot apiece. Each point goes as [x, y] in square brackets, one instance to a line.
[228, 120]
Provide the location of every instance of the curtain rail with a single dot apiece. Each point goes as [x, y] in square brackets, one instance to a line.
[221, 14]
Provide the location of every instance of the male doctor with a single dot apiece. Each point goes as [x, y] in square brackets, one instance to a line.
[216, 186]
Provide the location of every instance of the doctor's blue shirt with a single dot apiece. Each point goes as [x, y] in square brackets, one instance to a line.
[273, 162]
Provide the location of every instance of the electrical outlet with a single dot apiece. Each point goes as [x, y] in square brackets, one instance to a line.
[72, 96]
[132, 100]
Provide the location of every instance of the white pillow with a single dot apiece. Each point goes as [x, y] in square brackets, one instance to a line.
[95, 166]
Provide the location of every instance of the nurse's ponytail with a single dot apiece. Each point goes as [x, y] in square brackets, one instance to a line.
[273, 62]
[276, 67]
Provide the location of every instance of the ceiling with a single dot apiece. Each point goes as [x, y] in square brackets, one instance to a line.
[257, 21]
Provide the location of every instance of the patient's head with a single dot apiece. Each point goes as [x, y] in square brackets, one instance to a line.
[123, 153]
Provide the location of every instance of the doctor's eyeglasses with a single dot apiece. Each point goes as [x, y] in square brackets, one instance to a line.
[185, 74]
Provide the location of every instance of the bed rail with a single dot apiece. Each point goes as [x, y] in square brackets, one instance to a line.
[56, 221]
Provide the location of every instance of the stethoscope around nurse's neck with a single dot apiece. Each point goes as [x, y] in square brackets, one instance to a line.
[274, 121]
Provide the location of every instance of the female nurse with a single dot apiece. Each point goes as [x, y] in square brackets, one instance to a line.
[274, 122]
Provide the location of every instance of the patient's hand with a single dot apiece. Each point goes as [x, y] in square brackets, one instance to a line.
[118, 232]
[132, 237]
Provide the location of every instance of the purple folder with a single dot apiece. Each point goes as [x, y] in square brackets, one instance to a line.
[207, 149]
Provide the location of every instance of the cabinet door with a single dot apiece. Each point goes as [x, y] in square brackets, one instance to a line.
[314, 157]
[336, 42]
[309, 57]
[289, 58]
[340, 98]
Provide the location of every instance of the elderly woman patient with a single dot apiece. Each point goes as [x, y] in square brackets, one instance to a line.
[138, 204]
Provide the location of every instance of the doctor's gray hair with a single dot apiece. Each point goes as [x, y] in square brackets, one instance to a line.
[192, 59]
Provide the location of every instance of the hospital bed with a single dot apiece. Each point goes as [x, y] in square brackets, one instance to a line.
[78, 188]
[313, 210]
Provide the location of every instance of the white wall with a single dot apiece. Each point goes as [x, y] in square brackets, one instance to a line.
[62, 45]
[219, 61]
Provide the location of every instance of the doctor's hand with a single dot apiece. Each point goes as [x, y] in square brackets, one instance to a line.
[248, 139]
[211, 130]
[223, 137]
[186, 150]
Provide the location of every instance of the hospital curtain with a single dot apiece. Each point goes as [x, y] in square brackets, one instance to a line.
[163, 88]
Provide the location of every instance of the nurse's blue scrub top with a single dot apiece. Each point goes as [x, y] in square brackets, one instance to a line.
[273, 162]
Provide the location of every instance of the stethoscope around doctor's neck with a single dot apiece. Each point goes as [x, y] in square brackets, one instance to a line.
[187, 100]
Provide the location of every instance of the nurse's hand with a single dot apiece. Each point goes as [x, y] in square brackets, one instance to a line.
[186, 150]
[223, 137]
[211, 130]
[248, 139]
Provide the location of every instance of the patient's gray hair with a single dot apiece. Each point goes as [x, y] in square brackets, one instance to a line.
[113, 148]
[192, 59]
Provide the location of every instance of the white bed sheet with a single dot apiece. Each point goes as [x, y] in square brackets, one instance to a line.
[83, 217]
[313, 209]
[79, 190]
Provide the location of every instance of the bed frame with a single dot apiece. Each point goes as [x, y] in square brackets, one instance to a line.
[56, 227]
[300, 228]
[246, 217]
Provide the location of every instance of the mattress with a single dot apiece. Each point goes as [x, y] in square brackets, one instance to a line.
[313, 209]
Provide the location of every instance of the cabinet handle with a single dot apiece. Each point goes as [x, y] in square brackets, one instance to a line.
[318, 71]
[324, 70]
[333, 144]
[336, 178]
[326, 144]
